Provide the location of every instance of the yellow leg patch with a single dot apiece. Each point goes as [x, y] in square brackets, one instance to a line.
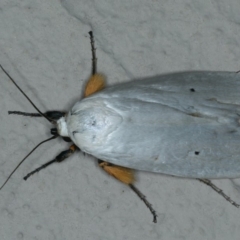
[94, 84]
[73, 148]
[124, 175]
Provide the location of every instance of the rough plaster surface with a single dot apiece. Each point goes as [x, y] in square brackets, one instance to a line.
[45, 47]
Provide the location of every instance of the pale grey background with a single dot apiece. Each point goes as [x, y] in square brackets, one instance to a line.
[45, 47]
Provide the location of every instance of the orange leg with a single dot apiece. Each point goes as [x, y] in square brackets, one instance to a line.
[126, 175]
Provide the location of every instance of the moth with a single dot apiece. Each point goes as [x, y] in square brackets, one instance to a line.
[182, 124]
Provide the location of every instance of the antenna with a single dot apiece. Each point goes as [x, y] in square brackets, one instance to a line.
[25, 95]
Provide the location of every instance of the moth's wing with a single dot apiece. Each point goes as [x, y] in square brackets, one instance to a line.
[184, 124]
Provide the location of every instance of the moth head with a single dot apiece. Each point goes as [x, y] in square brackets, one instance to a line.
[62, 127]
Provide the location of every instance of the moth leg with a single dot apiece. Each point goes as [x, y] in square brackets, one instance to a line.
[144, 199]
[94, 58]
[25, 114]
[53, 115]
[219, 191]
[126, 175]
[62, 156]
[97, 81]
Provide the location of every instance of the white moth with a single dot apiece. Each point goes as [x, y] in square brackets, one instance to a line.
[183, 124]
